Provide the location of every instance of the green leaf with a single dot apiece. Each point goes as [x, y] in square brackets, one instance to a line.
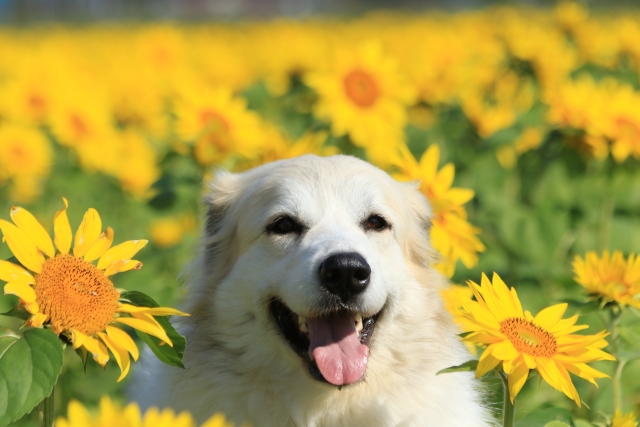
[17, 313]
[545, 417]
[7, 339]
[29, 368]
[169, 355]
[584, 306]
[471, 365]
[84, 355]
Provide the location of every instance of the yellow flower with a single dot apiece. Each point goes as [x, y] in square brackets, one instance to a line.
[138, 168]
[363, 95]
[219, 123]
[453, 298]
[521, 342]
[451, 234]
[167, 232]
[628, 420]
[113, 415]
[68, 293]
[610, 278]
[279, 146]
[528, 140]
[25, 158]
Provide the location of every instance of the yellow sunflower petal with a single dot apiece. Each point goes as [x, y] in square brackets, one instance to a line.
[22, 290]
[585, 371]
[37, 320]
[62, 229]
[30, 226]
[123, 251]
[529, 360]
[78, 415]
[119, 354]
[548, 317]
[77, 338]
[88, 232]
[122, 266]
[100, 246]
[22, 247]
[123, 340]
[217, 420]
[32, 307]
[97, 349]
[505, 350]
[153, 311]
[516, 380]
[486, 362]
[146, 325]
[10, 272]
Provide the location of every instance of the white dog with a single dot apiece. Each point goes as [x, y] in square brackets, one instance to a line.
[314, 304]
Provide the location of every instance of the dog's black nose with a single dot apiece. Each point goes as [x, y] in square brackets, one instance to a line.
[345, 275]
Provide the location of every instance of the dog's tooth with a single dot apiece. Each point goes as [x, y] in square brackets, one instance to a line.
[358, 321]
[302, 324]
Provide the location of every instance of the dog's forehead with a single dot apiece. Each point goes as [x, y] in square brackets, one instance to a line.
[311, 186]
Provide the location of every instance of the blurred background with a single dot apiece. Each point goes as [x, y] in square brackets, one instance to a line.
[127, 106]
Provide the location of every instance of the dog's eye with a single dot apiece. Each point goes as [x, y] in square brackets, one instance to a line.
[284, 225]
[376, 223]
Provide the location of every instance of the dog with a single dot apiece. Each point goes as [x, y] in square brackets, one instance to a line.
[314, 303]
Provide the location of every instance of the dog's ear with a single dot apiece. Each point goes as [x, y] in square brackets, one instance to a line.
[219, 231]
[418, 246]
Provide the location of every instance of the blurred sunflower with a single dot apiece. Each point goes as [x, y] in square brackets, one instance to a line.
[628, 420]
[219, 123]
[521, 342]
[170, 231]
[113, 415]
[610, 278]
[453, 298]
[363, 95]
[25, 159]
[280, 147]
[138, 168]
[451, 234]
[71, 295]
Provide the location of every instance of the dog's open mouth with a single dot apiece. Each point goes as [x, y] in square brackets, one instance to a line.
[335, 346]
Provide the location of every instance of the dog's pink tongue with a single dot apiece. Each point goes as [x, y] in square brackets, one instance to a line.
[336, 348]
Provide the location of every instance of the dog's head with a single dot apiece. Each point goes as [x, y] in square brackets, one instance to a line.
[308, 257]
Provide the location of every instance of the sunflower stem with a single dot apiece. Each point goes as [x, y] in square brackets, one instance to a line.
[508, 407]
[618, 366]
[46, 410]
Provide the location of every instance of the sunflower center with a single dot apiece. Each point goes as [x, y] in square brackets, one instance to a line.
[529, 338]
[75, 295]
[361, 88]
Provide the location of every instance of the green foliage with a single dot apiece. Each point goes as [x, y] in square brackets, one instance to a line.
[549, 417]
[29, 368]
[469, 366]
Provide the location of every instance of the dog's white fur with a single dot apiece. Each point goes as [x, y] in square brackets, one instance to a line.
[237, 361]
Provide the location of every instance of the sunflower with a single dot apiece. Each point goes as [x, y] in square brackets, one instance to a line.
[363, 95]
[113, 415]
[521, 342]
[219, 123]
[25, 159]
[628, 420]
[451, 234]
[610, 278]
[453, 298]
[70, 295]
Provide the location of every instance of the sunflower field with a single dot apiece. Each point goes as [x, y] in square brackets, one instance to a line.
[521, 125]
